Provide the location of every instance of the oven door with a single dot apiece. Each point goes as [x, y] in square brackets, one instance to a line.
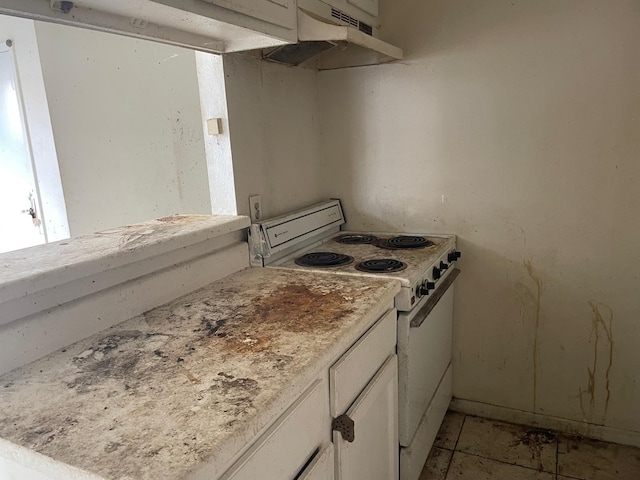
[424, 353]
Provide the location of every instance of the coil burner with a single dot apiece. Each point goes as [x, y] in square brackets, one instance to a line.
[356, 239]
[324, 259]
[405, 242]
[381, 265]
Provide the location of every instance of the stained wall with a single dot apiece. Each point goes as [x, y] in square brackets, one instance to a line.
[516, 126]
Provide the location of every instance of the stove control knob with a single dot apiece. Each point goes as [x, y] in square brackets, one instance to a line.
[423, 290]
[443, 266]
[430, 285]
[436, 273]
[453, 256]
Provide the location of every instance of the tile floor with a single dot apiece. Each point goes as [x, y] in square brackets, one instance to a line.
[473, 448]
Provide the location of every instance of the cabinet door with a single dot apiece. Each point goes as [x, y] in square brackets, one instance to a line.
[373, 454]
[321, 468]
[277, 12]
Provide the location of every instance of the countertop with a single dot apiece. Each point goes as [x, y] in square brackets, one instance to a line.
[25, 271]
[188, 385]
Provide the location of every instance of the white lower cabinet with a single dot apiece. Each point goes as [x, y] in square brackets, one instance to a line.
[322, 467]
[285, 449]
[362, 390]
[364, 394]
[373, 453]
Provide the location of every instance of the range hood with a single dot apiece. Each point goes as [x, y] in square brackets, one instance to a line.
[326, 46]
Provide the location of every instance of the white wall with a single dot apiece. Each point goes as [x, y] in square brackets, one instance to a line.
[274, 124]
[127, 127]
[213, 101]
[516, 125]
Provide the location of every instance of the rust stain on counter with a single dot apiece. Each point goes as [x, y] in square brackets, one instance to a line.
[292, 308]
[308, 304]
[296, 309]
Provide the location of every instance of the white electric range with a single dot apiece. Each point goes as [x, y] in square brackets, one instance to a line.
[425, 265]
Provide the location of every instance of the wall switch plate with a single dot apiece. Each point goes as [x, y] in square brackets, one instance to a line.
[255, 207]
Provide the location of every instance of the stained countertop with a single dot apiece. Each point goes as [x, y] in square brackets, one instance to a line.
[190, 383]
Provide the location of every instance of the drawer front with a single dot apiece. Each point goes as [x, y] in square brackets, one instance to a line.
[351, 373]
[283, 450]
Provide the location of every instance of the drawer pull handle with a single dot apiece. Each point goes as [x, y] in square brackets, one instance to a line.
[345, 426]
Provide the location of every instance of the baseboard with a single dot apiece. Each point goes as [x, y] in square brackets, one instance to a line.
[563, 425]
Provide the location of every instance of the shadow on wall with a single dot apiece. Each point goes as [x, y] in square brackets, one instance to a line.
[442, 27]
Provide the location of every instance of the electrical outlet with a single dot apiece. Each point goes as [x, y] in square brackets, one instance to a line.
[255, 207]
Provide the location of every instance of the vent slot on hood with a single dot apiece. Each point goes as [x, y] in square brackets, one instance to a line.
[325, 44]
[349, 20]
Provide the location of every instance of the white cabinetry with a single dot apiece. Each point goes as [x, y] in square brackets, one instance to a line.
[322, 467]
[373, 453]
[363, 386]
[276, 12]
[284, 450]
[219, 26]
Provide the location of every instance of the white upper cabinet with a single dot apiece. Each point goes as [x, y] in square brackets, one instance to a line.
[275, 12]
[218, 26]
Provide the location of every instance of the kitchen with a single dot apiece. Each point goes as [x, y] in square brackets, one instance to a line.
[514, 126]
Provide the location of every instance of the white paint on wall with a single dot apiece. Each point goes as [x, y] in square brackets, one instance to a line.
[127, 126]
[515, 125]
[274, 126]
[213, 102]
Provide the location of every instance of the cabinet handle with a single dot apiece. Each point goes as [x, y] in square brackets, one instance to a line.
[345, 426]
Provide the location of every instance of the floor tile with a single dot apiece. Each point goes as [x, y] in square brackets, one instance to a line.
[515, 444]
[470, 467]
[437, 464]
[593, 460]
[449, 430]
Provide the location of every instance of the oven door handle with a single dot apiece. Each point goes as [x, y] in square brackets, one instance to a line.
[434, 299]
